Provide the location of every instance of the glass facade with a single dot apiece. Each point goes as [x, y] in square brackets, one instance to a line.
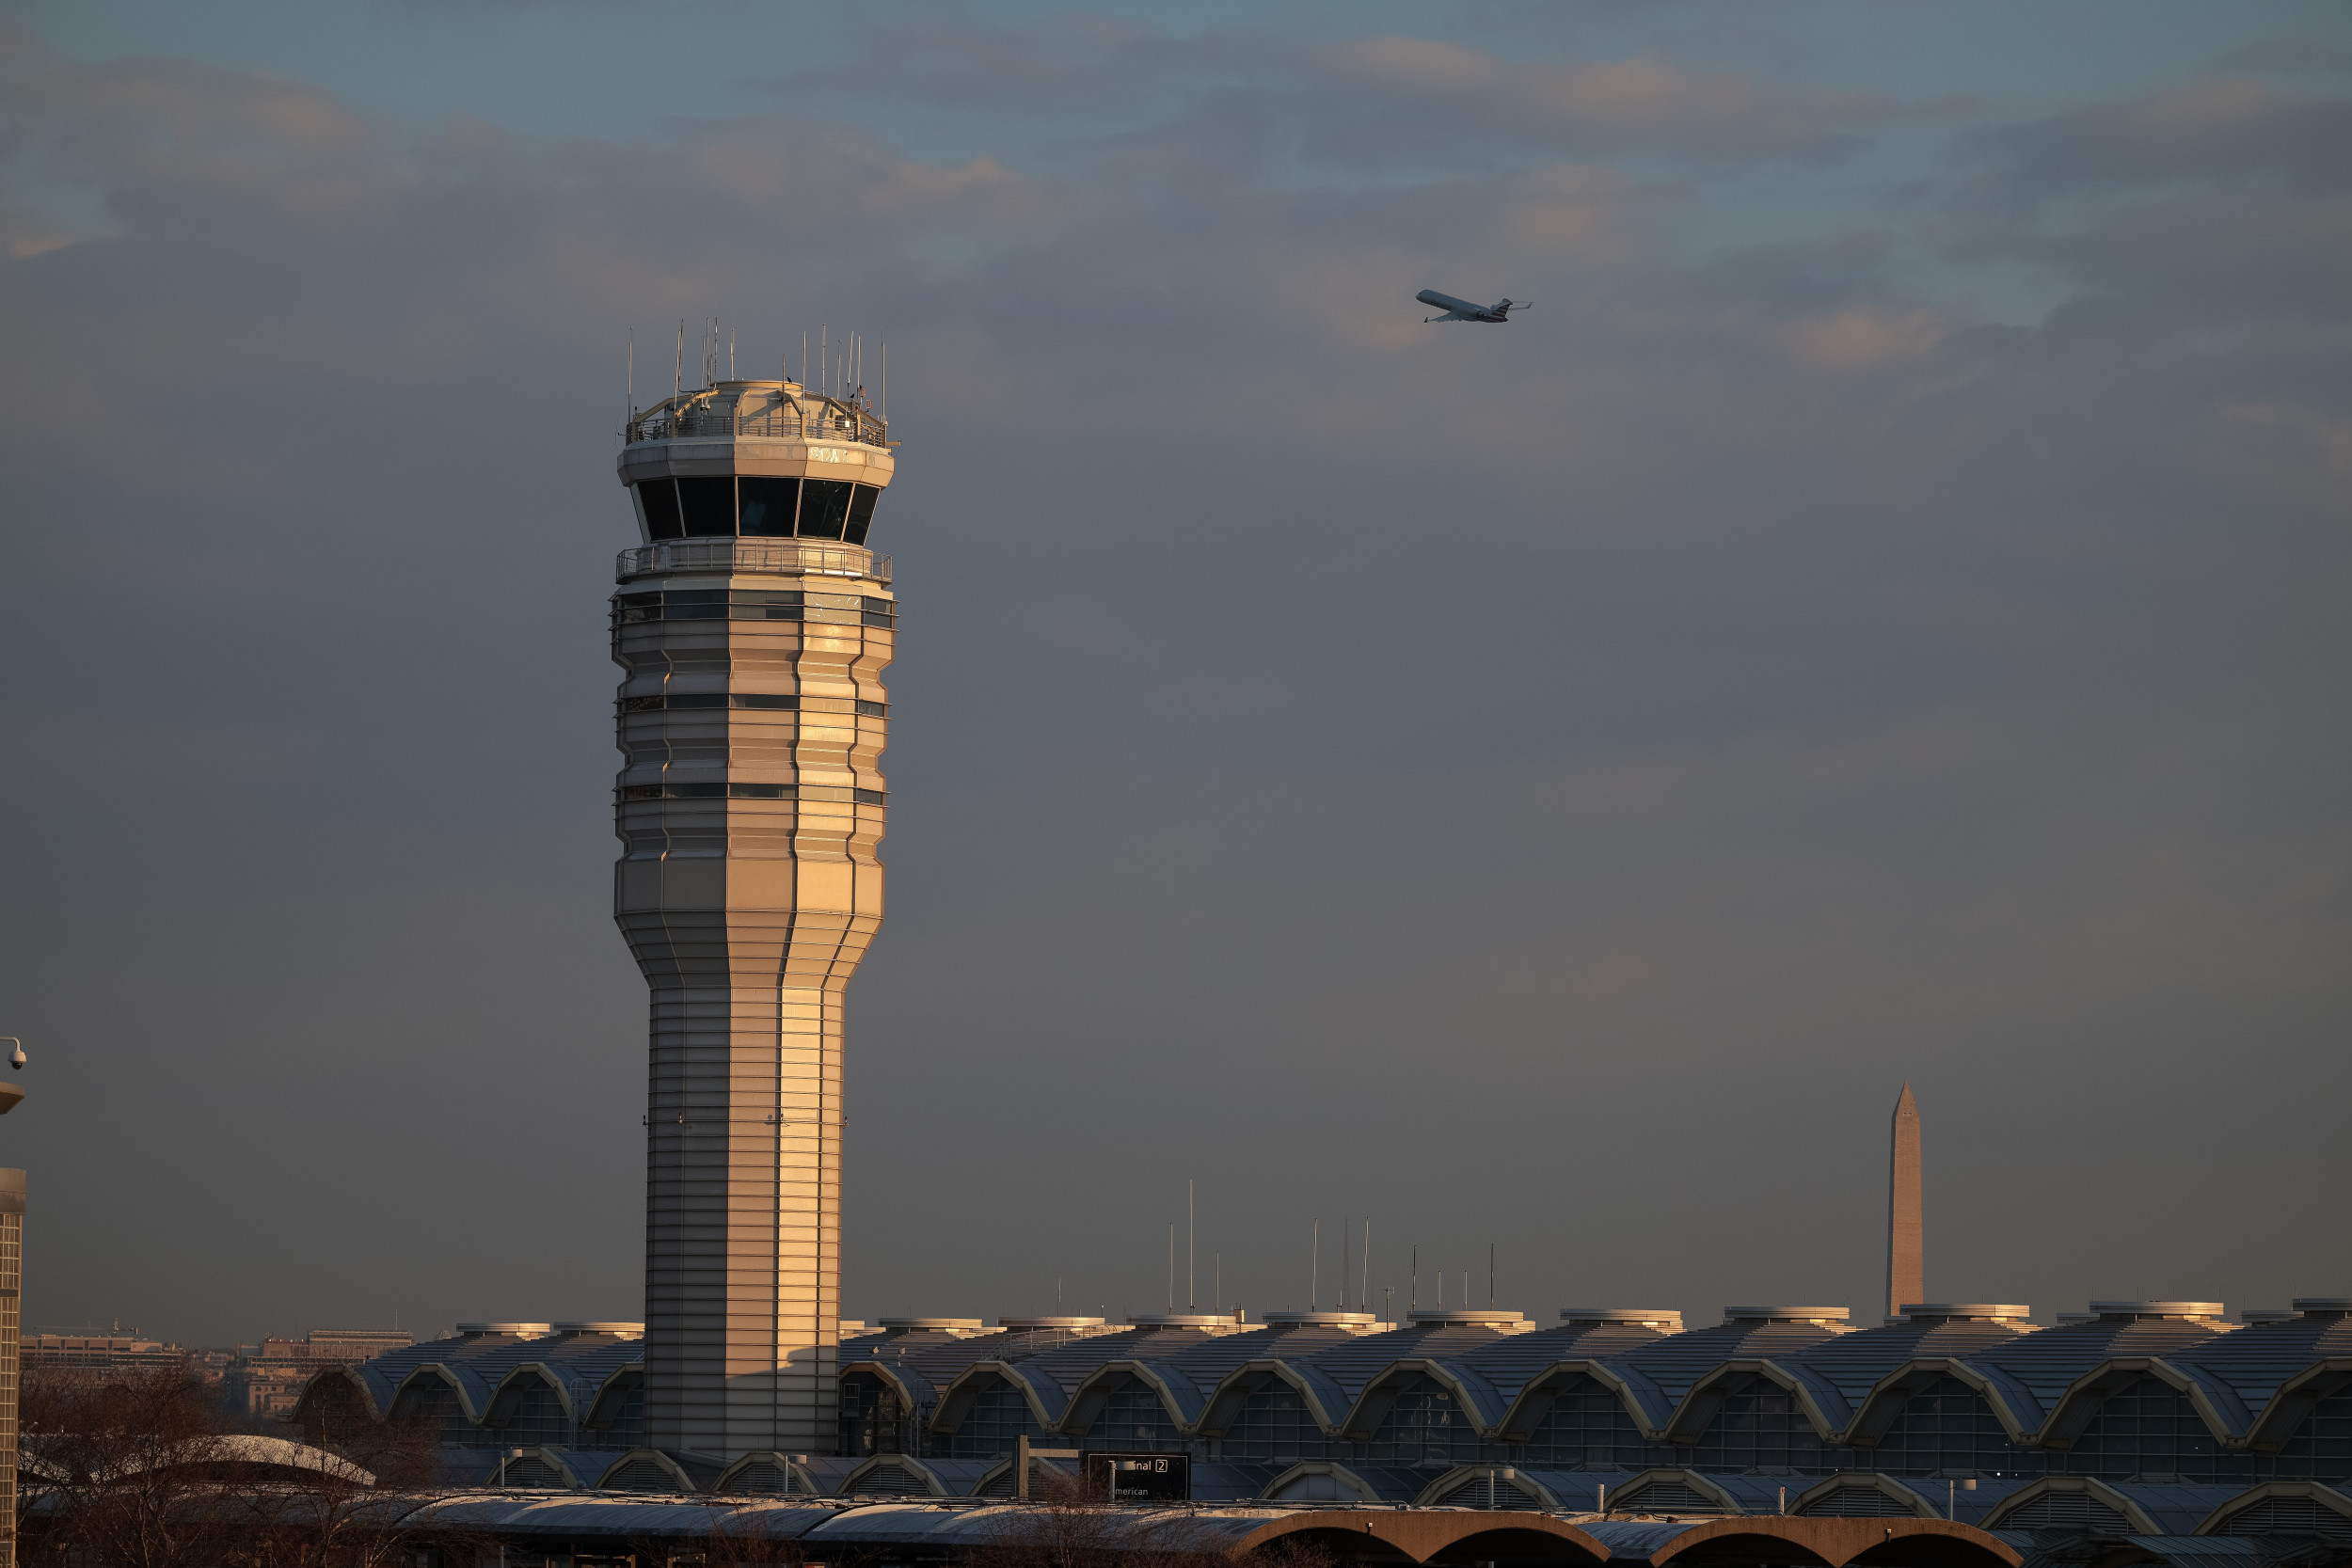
[1948, 1428]
[2148, 1431]
[1133, 1417]
[1274, 1427]
[1760, 1430]
[535, 1417]
[870, 1417]
[2321, 1448]
[1587, 1429]
[435, 1403]
[628, 1428]
[1425, 1427]
[998, 1416]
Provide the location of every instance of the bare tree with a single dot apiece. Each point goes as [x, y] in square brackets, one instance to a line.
[105, 1468]
[348, 1499]
[136, 1471]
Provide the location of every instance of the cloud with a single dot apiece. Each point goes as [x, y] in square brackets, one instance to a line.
[2209, 128]
[2284, 55]
[840, 175]
[1644, 100]
[1864, 337]
[2218, 201]
[227, 143]
[1086, 86]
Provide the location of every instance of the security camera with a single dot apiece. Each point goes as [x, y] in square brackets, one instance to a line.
[16, 1057]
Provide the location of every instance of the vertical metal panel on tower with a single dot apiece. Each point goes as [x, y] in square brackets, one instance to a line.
[752, 810]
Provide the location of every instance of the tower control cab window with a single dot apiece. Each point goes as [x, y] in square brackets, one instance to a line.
[709, 507]
[824, 507]
[752, 507]
[768, 506]
[861, 514]
[657, 504]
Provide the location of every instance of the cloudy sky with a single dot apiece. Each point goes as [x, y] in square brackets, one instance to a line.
[1880, 617]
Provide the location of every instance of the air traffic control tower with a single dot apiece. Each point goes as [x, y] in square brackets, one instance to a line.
[753, 625]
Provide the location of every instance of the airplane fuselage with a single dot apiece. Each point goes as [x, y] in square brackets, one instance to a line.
[1462, 309]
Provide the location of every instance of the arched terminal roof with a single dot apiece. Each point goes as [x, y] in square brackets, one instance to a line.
[2275, 1371]
[1353, 1365]
[1671, 1490]
[1525, 1371]
[1833, 1377]
[1321, 1480]
[1672, 1365]
[2255, 1386]
[577, 1365]
[2037, 1370]
[2145, 1508]
[476, 1359]
[1211, 1367]
[922, 1364]
[1048, 1376]
[1472, 1393]
[2305, 1508]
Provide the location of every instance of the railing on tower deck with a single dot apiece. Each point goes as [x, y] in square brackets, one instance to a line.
[782, 557]
[825, 420]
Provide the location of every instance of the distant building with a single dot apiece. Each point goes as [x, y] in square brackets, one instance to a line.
[12, 1298]
[268, 1379]
[102, 1352]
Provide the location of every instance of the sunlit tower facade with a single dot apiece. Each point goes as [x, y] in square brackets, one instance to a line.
[753, 626]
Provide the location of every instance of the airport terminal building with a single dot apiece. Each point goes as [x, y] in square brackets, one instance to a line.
[2148, 1418]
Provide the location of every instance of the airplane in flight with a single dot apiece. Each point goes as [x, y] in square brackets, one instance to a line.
[1463, 310]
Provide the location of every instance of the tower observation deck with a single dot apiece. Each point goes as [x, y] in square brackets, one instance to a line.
[753, 626]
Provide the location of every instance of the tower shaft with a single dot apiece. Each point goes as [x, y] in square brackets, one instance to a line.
[754, 633]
